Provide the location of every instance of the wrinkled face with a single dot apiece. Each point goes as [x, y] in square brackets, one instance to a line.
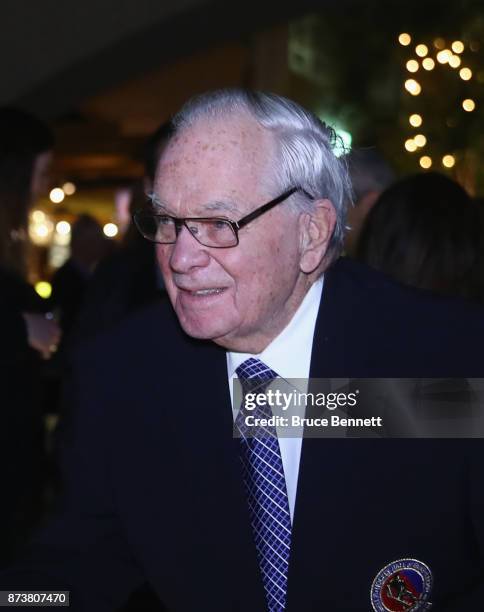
[240, 297]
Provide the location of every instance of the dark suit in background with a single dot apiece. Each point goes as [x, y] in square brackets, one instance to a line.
[121, 284]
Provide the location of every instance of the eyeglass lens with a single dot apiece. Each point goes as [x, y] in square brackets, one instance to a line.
[209, 232]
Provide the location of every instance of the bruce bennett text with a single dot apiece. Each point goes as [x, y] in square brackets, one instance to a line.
[298, 421]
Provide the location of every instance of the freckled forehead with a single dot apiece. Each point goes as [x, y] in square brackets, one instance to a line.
[224, 156]
[227, 136]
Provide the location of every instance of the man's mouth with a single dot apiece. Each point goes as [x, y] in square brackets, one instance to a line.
[206, 292]
[214, 291]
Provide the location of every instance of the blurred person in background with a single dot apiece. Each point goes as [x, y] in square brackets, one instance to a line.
[69, 286]
[27, 333]
[424, 231]
[370, 174]
[131, 278]
[70, 282]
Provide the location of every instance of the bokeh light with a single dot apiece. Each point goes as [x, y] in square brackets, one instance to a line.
[410, 145]
[468, 105]
[425, 161]
[415, 120]
[444, 56]
[412, 65]
[110, 230]
[56, 195]
[454, 61]
[420, 140]
[404, 39]
[448, 161]
[457, 46]
[63, 228]
[41, 230]
[38, 216]
[421, 50]
[69, 188]
[44, 289]
[413, 87]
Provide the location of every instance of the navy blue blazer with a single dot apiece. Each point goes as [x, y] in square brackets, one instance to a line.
[153, 490]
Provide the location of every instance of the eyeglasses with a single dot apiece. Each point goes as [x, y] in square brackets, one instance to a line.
[215, 232]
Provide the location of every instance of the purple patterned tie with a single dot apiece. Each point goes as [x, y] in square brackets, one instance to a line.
[265, 487]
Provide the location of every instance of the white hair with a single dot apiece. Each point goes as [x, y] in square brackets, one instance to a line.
[304, 157]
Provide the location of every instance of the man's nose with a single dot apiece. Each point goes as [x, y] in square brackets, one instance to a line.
[188, 253]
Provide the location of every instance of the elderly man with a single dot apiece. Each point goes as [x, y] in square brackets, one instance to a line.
[248, 213]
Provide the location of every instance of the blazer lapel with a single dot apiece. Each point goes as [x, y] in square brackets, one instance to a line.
[211, 439]
[313, 511]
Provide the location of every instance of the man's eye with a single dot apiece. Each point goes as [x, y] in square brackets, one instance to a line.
[219, 224]
[164, 220]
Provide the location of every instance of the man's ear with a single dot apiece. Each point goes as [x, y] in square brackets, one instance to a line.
[316, 229]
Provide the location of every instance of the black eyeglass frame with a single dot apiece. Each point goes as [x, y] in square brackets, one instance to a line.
[235, 225]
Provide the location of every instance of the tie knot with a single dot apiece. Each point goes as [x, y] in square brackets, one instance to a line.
[254, 375]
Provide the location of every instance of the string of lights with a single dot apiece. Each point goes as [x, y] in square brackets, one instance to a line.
[426, 59]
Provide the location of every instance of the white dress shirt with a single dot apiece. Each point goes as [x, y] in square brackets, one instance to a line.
[289, 355]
